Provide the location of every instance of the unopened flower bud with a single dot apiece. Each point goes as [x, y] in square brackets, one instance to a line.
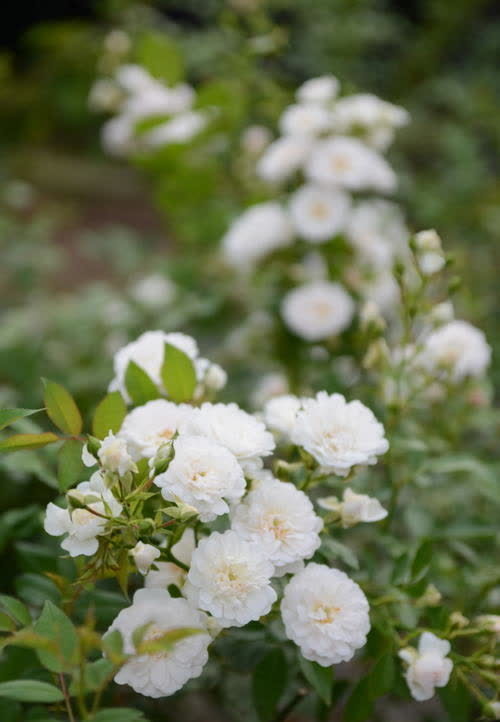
[430, 598]
[144, 555]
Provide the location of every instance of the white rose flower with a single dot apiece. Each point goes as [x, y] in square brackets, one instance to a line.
[153, 291]
[162, 673]
[228, 425]
[157, 100]
[349, 163]
[144, 555]
[230, 578]
[339, 434]
[326, 614]
[202, 474]
[167, 573]
[134, 78]
[318, 90]
[354, 508]
[82, 526]
[280, 413]
[114, 455]
[283, 157]
[429, 667]
[147, 352]
[377, 231]
[281, 519]
[147, 428]
[458, 348]
[317, 310]
[319, 213]
[260, 230]
[304, 119]
[367, 113]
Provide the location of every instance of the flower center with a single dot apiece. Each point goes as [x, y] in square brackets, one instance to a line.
[319, 210]
[340, 163]
[325, 614]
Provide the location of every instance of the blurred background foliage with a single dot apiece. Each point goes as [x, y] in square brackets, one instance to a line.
[78, 229]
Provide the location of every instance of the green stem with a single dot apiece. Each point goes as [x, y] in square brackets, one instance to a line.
[67, 700]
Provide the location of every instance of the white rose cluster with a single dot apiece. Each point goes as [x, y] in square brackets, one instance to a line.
[204, 464]
[331, 149]
[136, 96]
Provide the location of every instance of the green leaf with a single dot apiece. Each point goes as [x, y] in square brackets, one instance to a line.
[10, 416]
[19, 442]
[16, 609]
[268, 684]
[69, 464]
[178, 374]
[334, 549]
[7, 624]
[164, 643]
[320, 678]
[359, 706]
[382, 675]
[456, 700]
[422, 560]
[55, 625]
[118, 714]
[94, 675]
[139, 385]
[161, 56]
[112, 645]
[109, 415]
[61, 408]
[30, 690]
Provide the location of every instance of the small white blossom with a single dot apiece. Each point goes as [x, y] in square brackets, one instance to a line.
[349, 163]
[304, 119]
[376, 119]
[318, 90]
[319, 213]
[153, 291]
[117, 136]
[269, 386]
[167, 573]
[228, 425]
[162, 673]
[283, 157]
[339, 434]
[377, 231]
[281, 519]
[255, 138]
[354, 508]
[114, 456]
[82, 526]
[280, 413]
[144, 555]
[230, 578]
[149, 427]
[457, 348]
[326, 614]
[202, 474]
[260, 230]
[428, 667]
[491, 622]
[317, 310]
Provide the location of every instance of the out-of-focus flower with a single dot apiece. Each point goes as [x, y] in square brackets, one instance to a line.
[354, 508]
[319, 213]
[349, 163]
[317, 310]
[260, 230]
[318, 90]
[428, 667]
[457, 348]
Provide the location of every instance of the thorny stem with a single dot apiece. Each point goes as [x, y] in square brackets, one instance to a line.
[67, 700]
